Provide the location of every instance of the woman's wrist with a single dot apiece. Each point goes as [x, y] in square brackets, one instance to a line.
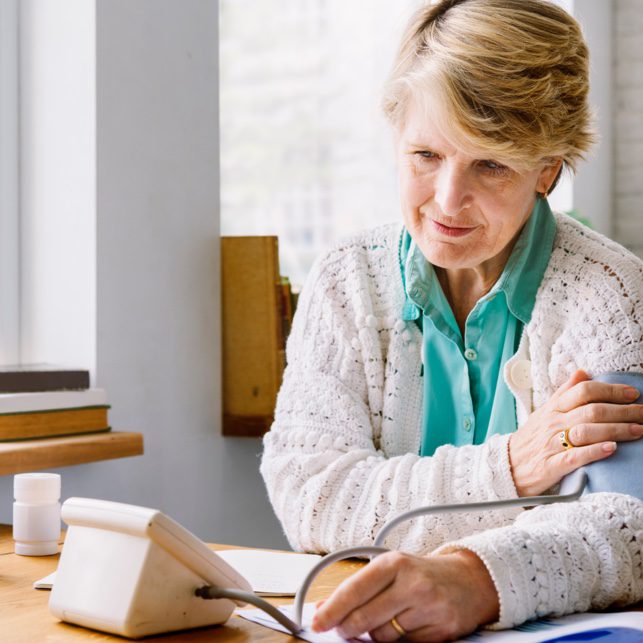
[484, 595]
[516, 458]
[512, 448]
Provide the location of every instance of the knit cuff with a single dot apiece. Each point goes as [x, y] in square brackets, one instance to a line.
[510, 574]
[502, 481]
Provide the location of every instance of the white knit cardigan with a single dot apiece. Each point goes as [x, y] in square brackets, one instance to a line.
[342, 455]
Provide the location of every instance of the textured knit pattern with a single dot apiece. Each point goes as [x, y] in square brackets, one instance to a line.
[565, 558]
[341, 458]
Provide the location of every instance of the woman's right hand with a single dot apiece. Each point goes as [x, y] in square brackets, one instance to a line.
[597, 415]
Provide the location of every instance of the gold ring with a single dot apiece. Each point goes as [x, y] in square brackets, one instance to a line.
[564, 439]
[397, 627]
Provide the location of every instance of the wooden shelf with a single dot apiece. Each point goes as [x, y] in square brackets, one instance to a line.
[50, 453]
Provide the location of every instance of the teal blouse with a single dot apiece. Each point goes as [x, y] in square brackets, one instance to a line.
[466, 399]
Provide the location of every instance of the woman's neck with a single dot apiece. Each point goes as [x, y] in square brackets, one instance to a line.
[462, 291]
[463, 287]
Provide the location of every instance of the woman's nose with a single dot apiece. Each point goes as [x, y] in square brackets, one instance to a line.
[452, 191]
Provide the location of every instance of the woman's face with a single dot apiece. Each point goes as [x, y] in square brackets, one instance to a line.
[463, 210]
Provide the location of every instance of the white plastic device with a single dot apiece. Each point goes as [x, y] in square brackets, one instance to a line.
[133, 571]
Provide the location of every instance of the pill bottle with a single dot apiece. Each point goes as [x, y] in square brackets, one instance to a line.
[36, 513]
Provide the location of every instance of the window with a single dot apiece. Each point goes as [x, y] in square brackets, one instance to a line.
[305, 153]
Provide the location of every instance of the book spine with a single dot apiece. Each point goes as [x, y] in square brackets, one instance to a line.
[51, 401]
[53, 423]
[40, 381]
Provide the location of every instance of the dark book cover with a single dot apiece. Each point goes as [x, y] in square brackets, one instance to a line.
[31, 378]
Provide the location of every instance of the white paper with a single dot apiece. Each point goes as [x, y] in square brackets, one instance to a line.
[45, 583]
[530, 632]
[261, 618]
[271, 573]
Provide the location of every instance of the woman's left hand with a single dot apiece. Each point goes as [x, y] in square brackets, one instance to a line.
[432, 598]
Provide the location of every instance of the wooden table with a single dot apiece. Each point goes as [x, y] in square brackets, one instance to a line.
[25, 616]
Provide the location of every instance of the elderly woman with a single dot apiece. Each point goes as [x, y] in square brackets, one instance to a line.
[450, 360]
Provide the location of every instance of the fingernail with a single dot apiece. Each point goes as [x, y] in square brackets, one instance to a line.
[636, 430]
[609, 447]
[631, 393]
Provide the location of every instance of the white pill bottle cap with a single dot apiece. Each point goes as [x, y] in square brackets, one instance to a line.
[36, 513]
[36, 488]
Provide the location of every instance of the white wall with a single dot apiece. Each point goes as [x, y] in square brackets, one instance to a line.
[57, 183]
[157, 274]
[628, 124]
[590, 190]
[593, 184]
[9, 196]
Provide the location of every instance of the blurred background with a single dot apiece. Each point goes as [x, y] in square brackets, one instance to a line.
[306, 154]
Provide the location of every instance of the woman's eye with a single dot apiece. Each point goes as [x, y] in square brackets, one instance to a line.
[494, 167]
[426, 154]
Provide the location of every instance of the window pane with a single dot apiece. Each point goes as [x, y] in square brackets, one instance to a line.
[305, 152]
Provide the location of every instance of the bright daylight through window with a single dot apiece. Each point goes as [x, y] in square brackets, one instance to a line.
[305, 152]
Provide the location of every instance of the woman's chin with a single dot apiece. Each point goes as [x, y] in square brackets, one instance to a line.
[451, 256]
[451, 263]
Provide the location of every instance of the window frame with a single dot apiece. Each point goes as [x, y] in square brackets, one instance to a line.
[9, 182]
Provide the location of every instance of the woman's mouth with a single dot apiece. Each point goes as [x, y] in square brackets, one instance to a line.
[451, 231]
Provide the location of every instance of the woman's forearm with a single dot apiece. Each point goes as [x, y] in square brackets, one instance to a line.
[564, 558]
[331, 488]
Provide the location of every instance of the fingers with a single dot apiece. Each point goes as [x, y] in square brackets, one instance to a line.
[387, 632]
[585, 434]
[585, 392]
[422, 625]
[356, 591]
[414, 623]
[377, 615]
[571, 459]
[602, 413]
[576, 378]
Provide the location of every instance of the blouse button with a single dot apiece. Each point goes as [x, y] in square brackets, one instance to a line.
[470, 354]
[520, 374]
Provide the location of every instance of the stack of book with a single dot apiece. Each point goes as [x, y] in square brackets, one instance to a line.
[42, 401]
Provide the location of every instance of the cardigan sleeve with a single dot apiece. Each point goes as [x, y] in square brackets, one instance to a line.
[564, 558]
[328, 479]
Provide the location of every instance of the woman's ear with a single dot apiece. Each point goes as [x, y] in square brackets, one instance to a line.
[549, 176]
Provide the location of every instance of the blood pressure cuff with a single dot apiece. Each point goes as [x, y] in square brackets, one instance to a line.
[620, 473]
[623, 471]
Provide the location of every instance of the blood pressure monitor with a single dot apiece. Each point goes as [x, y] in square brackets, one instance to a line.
[133, 571]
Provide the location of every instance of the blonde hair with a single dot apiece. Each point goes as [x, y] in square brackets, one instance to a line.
[510, 75]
